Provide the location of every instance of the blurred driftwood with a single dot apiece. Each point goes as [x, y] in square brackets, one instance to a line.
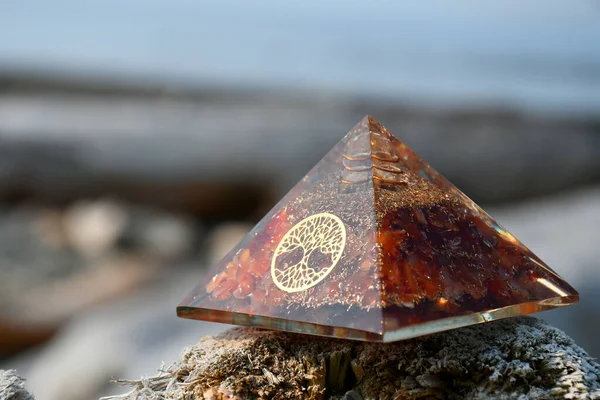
[216, 152]
[510, 359]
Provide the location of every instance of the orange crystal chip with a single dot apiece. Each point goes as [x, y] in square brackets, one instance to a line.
[374, 244]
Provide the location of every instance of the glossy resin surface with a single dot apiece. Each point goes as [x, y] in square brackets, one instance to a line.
[373, 244]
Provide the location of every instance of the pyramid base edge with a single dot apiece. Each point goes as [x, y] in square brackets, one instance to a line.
[461, 321]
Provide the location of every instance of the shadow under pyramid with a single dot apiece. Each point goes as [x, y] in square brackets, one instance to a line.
[374, 244]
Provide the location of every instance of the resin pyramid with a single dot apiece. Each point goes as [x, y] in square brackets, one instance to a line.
[373, 244]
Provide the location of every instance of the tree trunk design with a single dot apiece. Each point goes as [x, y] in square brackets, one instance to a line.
[319, 242]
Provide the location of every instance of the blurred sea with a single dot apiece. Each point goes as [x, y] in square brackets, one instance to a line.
[538, 55]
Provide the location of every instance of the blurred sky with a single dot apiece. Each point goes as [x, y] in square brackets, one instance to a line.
[542, 54]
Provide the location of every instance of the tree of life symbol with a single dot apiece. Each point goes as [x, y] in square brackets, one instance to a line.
[320, 234]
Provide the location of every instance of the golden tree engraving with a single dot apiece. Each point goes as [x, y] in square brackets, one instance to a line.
[318, 242]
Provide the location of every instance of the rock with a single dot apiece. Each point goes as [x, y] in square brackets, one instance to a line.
[12, 387]
[93, 227]
[30, 256]
[166, 235]
[169, 237]
[515, 358]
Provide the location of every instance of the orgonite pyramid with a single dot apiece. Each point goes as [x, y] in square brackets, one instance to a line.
[374, 244]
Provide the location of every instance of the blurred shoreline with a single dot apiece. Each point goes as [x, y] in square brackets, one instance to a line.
[206, 146]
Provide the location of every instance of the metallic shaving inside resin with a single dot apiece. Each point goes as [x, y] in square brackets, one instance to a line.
[417, 257]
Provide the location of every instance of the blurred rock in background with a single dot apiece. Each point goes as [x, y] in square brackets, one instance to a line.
[131, 160]
[67, 260]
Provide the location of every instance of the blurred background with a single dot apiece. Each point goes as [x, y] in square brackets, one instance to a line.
[140, 140]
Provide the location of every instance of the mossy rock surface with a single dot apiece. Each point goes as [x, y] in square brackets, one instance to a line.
[519, 358]
[12, 386]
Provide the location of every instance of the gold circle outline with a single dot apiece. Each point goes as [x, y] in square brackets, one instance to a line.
[335, 260]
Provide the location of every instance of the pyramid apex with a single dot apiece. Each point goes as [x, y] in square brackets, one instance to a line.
[368, 121]
[370, 125]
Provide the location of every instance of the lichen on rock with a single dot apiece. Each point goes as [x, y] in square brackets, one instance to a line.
[519, 358]
[12, 386]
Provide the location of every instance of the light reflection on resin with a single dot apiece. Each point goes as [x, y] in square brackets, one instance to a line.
[376, 246]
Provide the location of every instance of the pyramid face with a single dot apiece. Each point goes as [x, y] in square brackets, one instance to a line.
[373, 244]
